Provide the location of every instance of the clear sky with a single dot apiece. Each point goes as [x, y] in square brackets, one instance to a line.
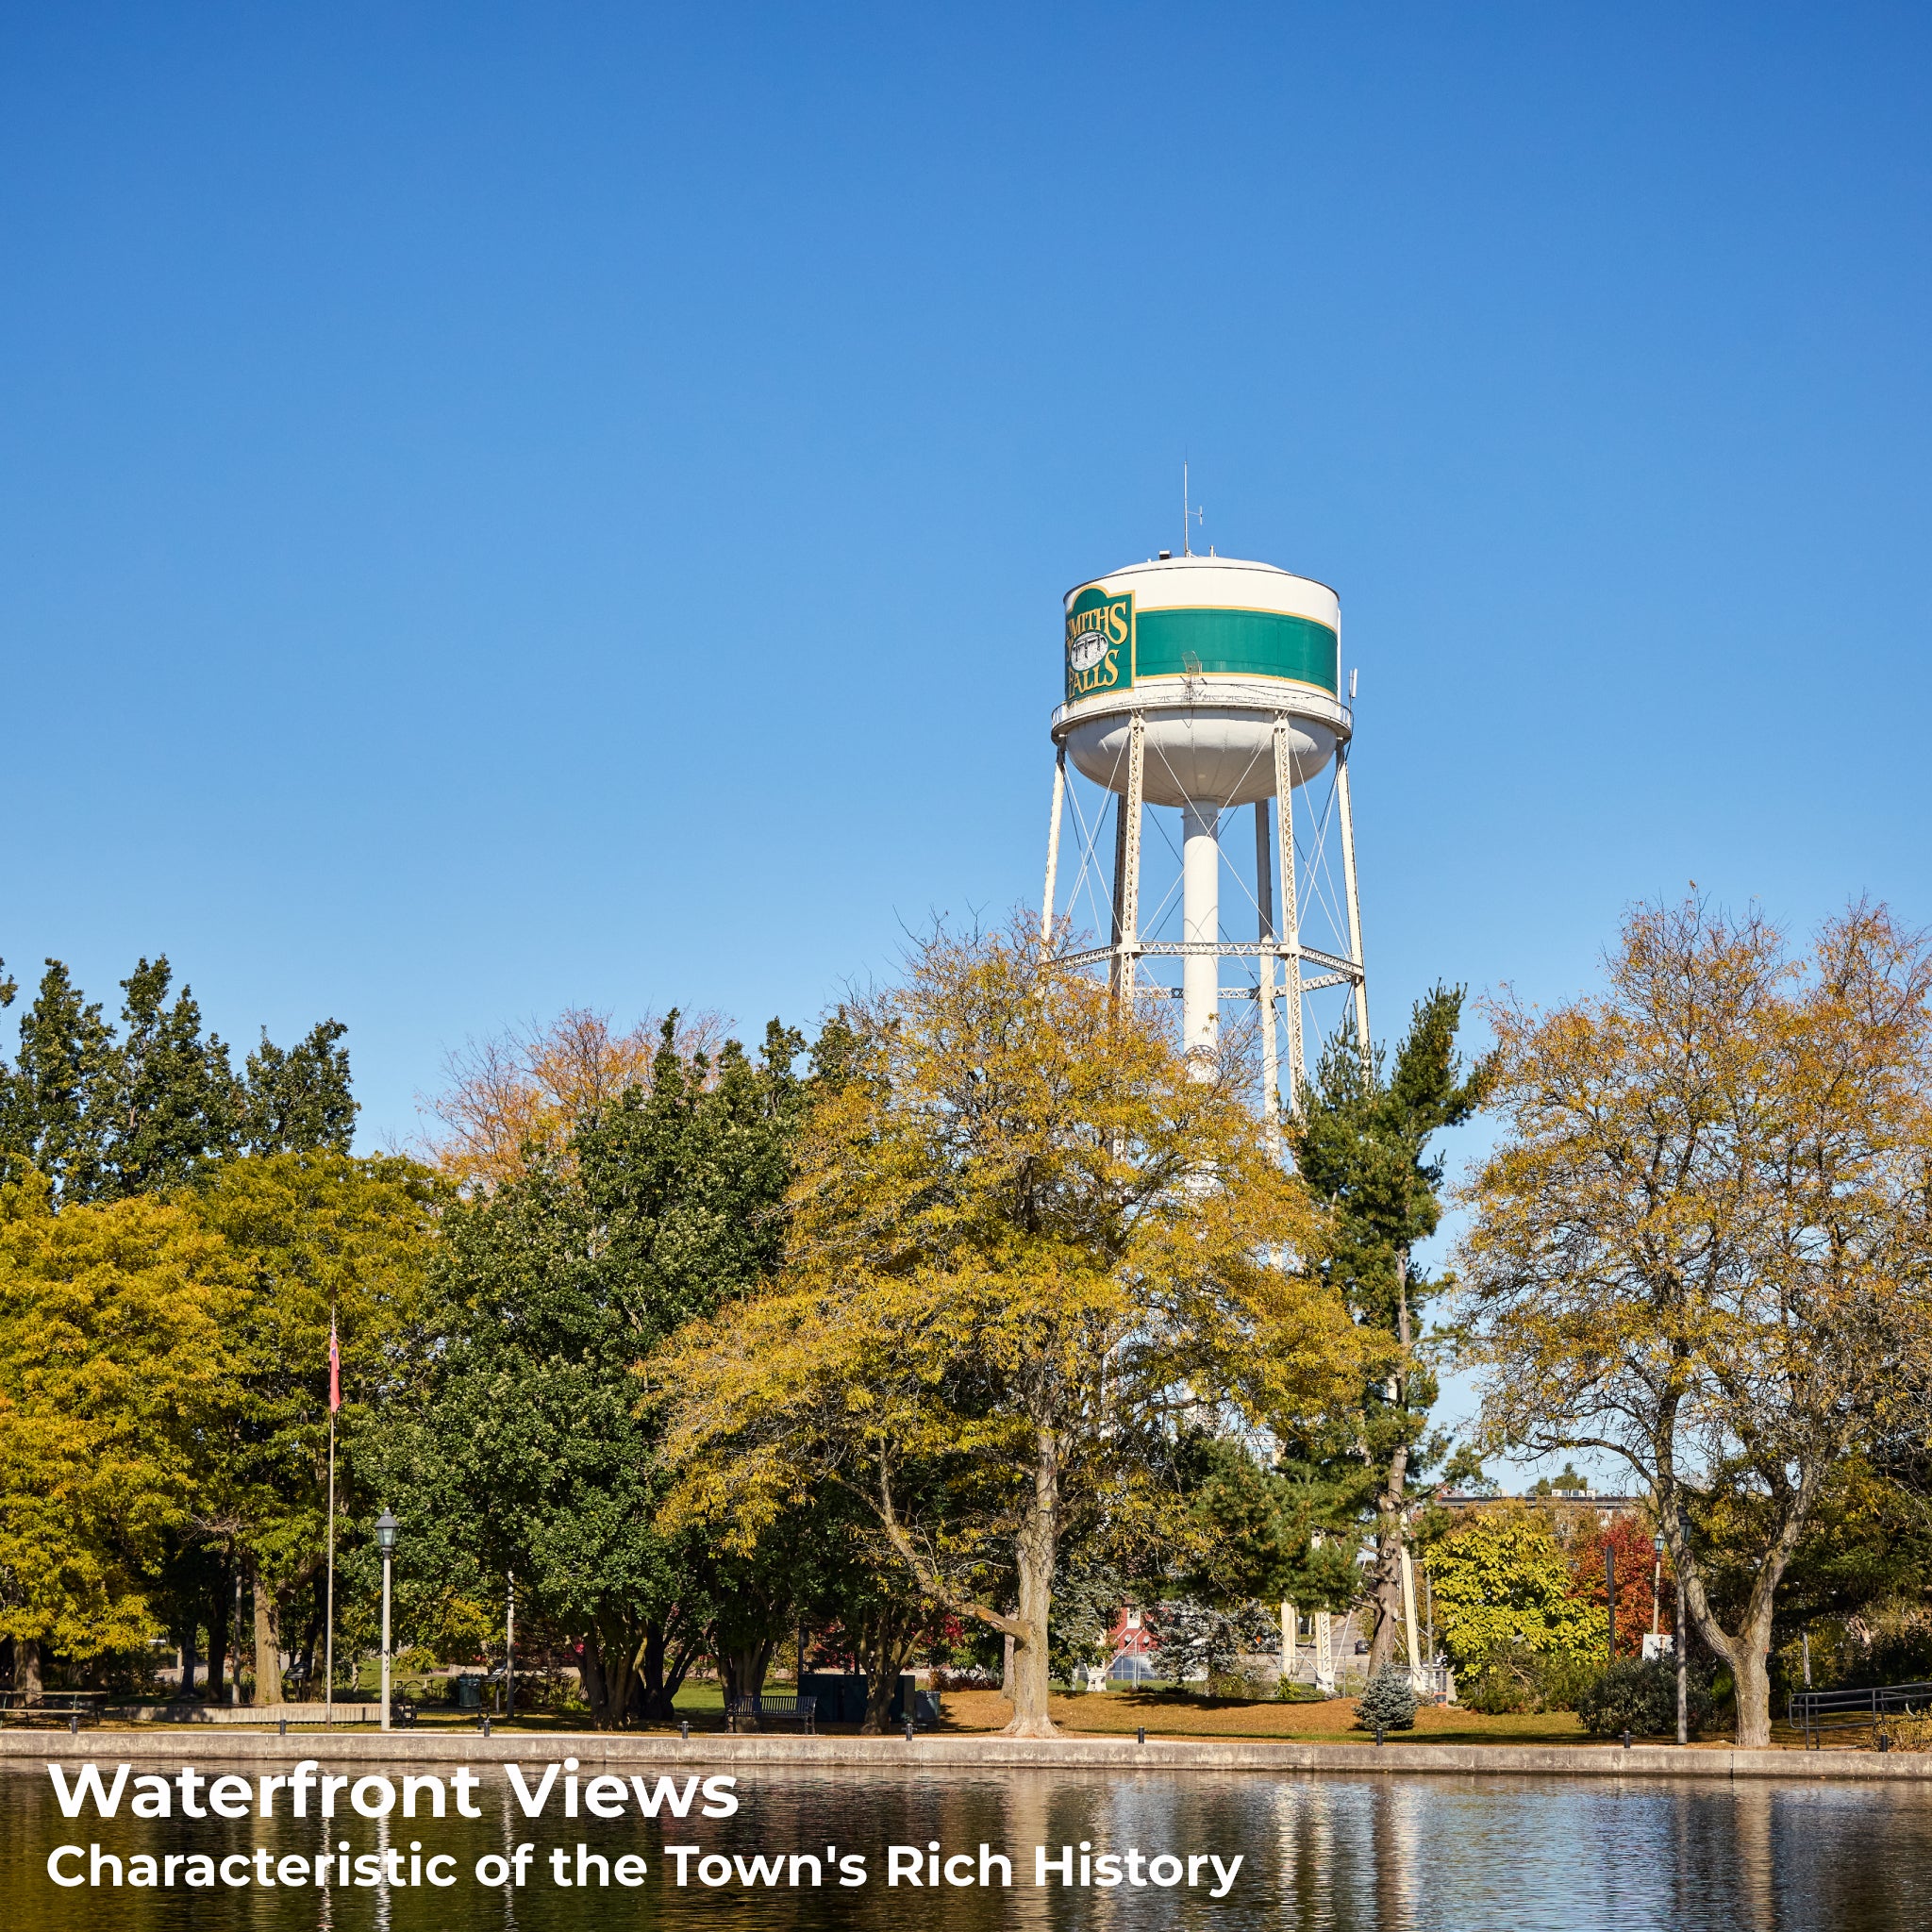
[506, 505]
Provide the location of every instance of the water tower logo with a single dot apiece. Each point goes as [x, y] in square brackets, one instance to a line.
[1100, 642]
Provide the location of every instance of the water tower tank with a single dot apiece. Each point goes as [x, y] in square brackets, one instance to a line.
[1203, 684]
[1209, 651]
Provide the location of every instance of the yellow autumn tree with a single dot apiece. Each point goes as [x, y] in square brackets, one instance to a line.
[1703, 1243]
[113, 1380]
[1027, 1246]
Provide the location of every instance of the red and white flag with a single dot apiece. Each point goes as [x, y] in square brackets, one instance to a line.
[335, 1370]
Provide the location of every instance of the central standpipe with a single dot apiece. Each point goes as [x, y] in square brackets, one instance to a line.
[1201, 925]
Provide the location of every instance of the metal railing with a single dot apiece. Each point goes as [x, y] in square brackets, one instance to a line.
[1814, 1713]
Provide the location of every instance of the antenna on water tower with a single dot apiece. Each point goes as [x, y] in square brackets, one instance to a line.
[1190, 514]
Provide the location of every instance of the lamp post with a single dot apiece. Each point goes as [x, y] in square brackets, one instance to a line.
[386, 1527]
[1657, 1584]
[1610, 1600]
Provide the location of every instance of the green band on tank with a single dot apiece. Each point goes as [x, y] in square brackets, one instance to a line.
[1250, 643]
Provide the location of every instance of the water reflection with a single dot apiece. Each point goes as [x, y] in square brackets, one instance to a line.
[1334, 1854]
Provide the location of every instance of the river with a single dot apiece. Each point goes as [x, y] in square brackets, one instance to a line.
[1342, 1852]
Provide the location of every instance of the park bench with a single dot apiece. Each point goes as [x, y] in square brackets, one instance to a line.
[67, 1711]
[1814, 1713]
[756, 1711]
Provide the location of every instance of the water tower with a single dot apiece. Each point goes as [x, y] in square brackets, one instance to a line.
[1198, 685]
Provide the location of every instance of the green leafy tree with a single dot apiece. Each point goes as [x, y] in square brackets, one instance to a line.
[1027, 1244]
[167, 1102]
[1363, 1143]
[1501, 1580]
[54, 1118]
[323, 1237]
[156, 1104]
[299, 1101]
[664, 1203]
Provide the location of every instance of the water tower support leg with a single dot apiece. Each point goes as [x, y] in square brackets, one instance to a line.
[1128, 861]
[1264, 990]
[1053, 846]
[1355, 915]
[1291, 909]
[1201, 923]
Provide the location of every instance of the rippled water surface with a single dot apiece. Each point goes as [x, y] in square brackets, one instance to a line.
[1463, 1854]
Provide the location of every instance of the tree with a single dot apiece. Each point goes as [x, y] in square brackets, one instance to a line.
[299, 1101]
[662, 1205]
[1361, 1142]
[156, 1105]
[1635, 1568]
[523, 1094]
[1197, 1640]
[1700, 1243]
[325, 1239]
[1027, 1247]
[1500, 1579]
[113, 1378]
[53, 1120]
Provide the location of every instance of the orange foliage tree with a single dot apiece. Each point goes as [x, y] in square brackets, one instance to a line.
[525, 1092]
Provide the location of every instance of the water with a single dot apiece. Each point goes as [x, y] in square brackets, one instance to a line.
[1342, 1852]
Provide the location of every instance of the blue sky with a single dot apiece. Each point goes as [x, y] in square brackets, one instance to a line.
[504, 506]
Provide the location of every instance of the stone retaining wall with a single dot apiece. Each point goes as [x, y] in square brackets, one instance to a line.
[928, 1754]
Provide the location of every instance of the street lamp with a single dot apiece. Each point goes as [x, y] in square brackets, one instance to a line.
[1657, 1582]
[1609, 1603]
[386, 1527]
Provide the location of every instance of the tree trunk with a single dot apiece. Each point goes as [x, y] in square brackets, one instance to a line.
[217, 1637]
[268, 1643]
[743, 1669]
[1035, 1549]
[657, 1705]
[1751, 1674]
[888, 1643]
[596, 1692]
[27, 1666]
[660, 1675]
[1392, 1529]
[190, 1656]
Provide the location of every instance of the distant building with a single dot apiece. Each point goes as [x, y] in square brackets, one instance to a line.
[1133, 1648]
[1570, 1508]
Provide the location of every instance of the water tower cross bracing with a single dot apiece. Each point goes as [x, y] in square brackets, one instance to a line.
[1195, 686]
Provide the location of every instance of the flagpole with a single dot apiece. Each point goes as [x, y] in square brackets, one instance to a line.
[329, 1641]
[328, 1644]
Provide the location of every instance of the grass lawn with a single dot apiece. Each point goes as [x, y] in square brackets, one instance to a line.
[1179, 1714]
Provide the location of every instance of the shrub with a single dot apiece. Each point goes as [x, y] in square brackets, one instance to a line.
[1912, 1732]
[1387, 1704]
[1193, 1641]
[1511, 1678]
[1639, 1695]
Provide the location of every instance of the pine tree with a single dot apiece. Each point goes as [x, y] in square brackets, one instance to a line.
[1362, 1143]
[1387, 1704]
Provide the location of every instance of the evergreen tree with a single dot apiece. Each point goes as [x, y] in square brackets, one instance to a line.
[1361, 1142]
[156, 1105]
[664, 1205]
[168, 1096]
[298, 1101]
[57, 1116]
